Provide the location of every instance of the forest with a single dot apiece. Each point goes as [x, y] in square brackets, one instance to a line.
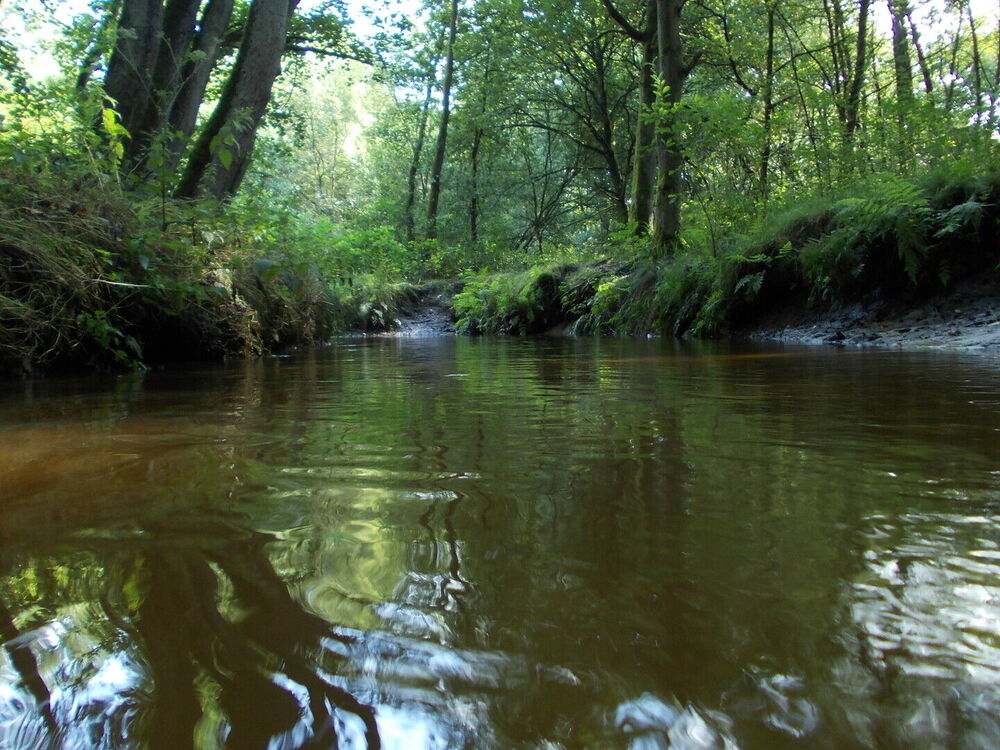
[189, 178]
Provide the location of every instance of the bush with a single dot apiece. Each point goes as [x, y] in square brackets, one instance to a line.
[514, 303]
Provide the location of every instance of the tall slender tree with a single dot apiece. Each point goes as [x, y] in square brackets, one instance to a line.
[437, 166]
[195, 74]
[128, 80]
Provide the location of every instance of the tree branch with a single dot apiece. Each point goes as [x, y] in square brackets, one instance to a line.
[630, 30]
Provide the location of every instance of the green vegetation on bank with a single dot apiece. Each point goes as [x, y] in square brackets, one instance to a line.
[889, 240]
[91, 276]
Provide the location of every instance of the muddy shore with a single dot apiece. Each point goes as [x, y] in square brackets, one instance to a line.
[966, 318]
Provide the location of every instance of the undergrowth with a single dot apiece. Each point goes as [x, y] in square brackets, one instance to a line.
[888, 238]
[95, 277]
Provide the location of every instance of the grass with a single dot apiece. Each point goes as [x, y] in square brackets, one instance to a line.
[92, 278]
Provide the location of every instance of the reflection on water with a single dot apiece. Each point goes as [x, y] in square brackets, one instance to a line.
[455, 543]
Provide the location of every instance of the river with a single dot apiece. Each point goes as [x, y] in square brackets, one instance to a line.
[488, 543]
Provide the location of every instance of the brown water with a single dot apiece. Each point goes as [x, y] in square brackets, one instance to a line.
[448, 543]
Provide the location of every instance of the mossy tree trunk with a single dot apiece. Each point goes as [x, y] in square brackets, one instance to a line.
[644, 157]
[194, 77]
[669, 157]
[130, 71]
[221, 155]
[176, 35]
[644, 162]
[418, 150]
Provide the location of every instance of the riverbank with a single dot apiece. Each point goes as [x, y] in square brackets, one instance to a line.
[96, 278]
[964, 316]
[893, 263]
[92, 278]
[967, 317]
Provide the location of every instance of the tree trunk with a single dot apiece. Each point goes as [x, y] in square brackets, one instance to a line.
[903, 78]
[921, 60]
[605, 132]
[175, 43]
[853, 108]
[418, 149]
[442, 139]
[474, 197]
[477, 142]
[130, 69]
[763, 172]
[217, 167]
[640, 204]
[977, 65]
[839, 75]
[644, 154]
[901, 64]
[194, 77]
[995, 90]
[667, 196]
[953, 65]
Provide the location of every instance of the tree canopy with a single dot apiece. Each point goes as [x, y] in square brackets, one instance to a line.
[502, 127]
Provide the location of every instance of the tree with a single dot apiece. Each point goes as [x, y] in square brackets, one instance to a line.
[221, 154]
[130, 71]
[442, 136]
[195, 74]
[418, 150]
[644, 150]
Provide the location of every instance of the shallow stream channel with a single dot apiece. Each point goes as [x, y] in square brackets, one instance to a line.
[443, 542]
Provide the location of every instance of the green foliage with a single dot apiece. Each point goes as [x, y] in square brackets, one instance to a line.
[376, 305]
[891, 234]
[965, 218]
[124, 348]
[512, 303]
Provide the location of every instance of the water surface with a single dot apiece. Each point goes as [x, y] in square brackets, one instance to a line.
[449, 543]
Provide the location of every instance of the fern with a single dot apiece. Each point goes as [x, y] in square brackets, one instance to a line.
[750, 285]
[897, 209]
[959, 219]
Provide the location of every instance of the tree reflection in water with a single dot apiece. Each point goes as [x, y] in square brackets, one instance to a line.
[640, 550]
[260, 647]
[206, 640]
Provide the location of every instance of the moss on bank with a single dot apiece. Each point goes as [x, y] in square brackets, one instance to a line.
[892, 240]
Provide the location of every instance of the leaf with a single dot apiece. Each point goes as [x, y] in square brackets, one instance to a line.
[226, 157]
[108, 119]
[751, 284]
